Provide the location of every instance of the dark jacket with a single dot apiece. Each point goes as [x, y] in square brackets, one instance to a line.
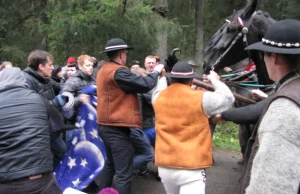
[24, 129]
[40, 84]
[148, 120]
[55, 83]
[43, 87]
[54, 80]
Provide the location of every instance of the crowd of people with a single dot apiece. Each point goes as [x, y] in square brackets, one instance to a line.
[148, 115]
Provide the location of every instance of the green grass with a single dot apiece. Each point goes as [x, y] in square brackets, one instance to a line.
[226, 136]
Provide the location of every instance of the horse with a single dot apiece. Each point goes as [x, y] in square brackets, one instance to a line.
[221, 51]
[226, 47]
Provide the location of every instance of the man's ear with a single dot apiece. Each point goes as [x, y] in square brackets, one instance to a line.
[41, 67]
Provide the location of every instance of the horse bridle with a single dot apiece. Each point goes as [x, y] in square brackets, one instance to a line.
[243, 32]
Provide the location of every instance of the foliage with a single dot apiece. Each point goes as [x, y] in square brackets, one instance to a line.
[96, 22]
[226, 136]
[26, 25]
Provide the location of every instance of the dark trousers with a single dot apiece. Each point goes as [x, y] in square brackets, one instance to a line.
[143, 152]
[245, 132]
[58, 149]
[43, 185]
[119, 160]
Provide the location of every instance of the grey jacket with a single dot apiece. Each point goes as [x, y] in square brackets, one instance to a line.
[75, 83]
[24, 129]
[276, 165]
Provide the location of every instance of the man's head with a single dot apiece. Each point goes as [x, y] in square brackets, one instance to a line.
[281, 47]
[71, 69]
[134, 64]
[41, 62]
[150, 63]
[116, 50]
[193, 64]
[86, 64]
[57, 72]
[182, 72]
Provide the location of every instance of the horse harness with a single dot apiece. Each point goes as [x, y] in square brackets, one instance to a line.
[243, 32]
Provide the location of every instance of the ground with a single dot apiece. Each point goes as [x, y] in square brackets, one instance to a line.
[222, 178]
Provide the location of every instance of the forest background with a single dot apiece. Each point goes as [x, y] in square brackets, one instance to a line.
[154, 27]
[73, 27]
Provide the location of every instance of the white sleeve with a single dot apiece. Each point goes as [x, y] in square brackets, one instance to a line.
[219, 100]
[161, 85]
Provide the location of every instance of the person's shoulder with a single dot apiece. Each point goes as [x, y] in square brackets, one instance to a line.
[281, 112]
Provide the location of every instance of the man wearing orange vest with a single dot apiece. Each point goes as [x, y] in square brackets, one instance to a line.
[118, 110]
[183, 148]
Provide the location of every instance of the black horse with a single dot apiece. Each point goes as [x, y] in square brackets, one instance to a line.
[226, 48]
[221, 51]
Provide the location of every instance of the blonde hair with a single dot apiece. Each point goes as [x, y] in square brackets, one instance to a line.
[82, 58]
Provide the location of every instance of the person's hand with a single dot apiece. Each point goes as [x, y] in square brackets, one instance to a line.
[216, 118]
[258, 94]
[62, 100]
[84, 98]
[227, 69]
[163, 73]
[159, 68]
[212, 75]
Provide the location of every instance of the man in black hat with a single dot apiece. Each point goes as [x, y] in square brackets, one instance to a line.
[274, 158]
[183, 148]
[118, 110]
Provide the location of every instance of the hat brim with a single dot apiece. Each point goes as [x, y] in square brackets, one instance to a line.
[195, 66]
[116, 49]
[272, 49]
[183, 76]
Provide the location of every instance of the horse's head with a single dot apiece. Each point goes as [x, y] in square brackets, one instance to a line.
[257, 24]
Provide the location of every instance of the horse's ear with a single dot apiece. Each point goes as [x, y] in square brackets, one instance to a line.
[249, 10]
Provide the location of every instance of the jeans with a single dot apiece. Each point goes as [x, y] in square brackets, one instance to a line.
[43, 185]
[119, 160]
[151, 135]
[180, 181]
[142, 148]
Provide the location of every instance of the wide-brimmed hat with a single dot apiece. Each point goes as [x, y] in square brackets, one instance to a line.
[193, 64]
[282, 37]
[182, 69]
[116, 44]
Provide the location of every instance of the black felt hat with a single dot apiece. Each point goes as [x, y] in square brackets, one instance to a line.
[116, 44]
[182, 69]
[282, 37]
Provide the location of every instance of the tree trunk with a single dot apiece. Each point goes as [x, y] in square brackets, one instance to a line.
[199, 21]
[161, 7]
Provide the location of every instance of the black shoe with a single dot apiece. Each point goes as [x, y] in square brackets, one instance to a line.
[157, 177]
[143, 173]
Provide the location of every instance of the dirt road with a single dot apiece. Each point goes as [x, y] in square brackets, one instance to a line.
[222, 178]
